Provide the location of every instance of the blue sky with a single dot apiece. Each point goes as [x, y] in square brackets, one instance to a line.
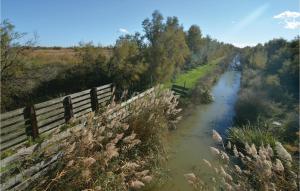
[66, 22]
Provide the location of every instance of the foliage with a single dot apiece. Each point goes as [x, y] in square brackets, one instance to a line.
[11, 51]
[11, 59]
[167, 50]
[195, 43]
[191, 77]
[270, 86]
[194, 38]
[257, 134]
[135, 62]
[127, 65]
[202, 95]
[90, 54]
[116, 154]
[250, 168]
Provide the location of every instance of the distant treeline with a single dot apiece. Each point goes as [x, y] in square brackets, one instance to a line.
[269, 95]
[31, 74]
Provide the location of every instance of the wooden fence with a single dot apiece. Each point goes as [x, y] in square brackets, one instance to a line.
[180, 90]
[12, 178]
[32, 121]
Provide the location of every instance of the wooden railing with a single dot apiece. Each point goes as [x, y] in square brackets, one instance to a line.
[32, 121]
[180, 90]
[12, 178]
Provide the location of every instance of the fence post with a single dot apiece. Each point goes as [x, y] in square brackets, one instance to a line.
[68, 108]
[29, 113]
[94, 100]
[113, 91]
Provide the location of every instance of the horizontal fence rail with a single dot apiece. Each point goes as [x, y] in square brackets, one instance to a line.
[32, 121]
[13, 179]
[180, 90]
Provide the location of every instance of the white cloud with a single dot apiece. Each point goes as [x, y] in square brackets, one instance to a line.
[292, 25]
[290, 19]
[287, 14]
[122, 30]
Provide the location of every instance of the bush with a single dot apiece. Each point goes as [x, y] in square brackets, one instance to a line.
[202, 95]
[116, 153]
[257, 134]
[251, 105]
[249, 168]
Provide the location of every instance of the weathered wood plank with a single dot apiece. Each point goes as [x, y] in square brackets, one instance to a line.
[104, 86]
[103, 99]
[14, 127]
[81, 113]
[102, 91]
[7, 137]
[76, 110]
[179, 87]
[104, 95]
[29, 150]
[17, 156]
[48, 103]
[88, 96]
[52, 125]
[10, 114]
[21, 177]
[25, 184]
[12, 121]
[50, 114]
[87, 101]
[50, 108]
[80, 94]
[13, 142]
[51, 119]
[180, 92]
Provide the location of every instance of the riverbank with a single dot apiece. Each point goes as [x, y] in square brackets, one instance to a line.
[190, 78]
[199, 81]
[189, 144]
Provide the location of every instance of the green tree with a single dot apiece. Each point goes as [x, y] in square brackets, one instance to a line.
[13, 77]
[194, 38]
[195, 44]
[127, 64]
[167, 50]
[12, 52]
[154, 28]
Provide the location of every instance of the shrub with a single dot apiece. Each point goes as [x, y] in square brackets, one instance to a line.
[253, 104]
[250, 168]
[257, 134]
[119, 149]
[202, 95]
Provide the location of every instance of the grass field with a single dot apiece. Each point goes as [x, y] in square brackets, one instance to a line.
[191, 77]
[58, 56]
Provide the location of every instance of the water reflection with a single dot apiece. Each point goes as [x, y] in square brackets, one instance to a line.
[189, 143]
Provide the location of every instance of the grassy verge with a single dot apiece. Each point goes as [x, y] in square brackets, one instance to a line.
[191, 78]
[198, 81]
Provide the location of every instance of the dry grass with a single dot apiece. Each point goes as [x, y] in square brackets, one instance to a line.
[250, 168]
[117, 153]
[58, 56]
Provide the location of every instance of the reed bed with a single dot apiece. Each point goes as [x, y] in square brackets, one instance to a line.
[120, 151]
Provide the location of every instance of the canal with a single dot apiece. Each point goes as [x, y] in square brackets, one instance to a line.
[190, 142]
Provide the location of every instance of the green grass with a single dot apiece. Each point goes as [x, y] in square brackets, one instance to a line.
[250, 134]
[191, 77]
